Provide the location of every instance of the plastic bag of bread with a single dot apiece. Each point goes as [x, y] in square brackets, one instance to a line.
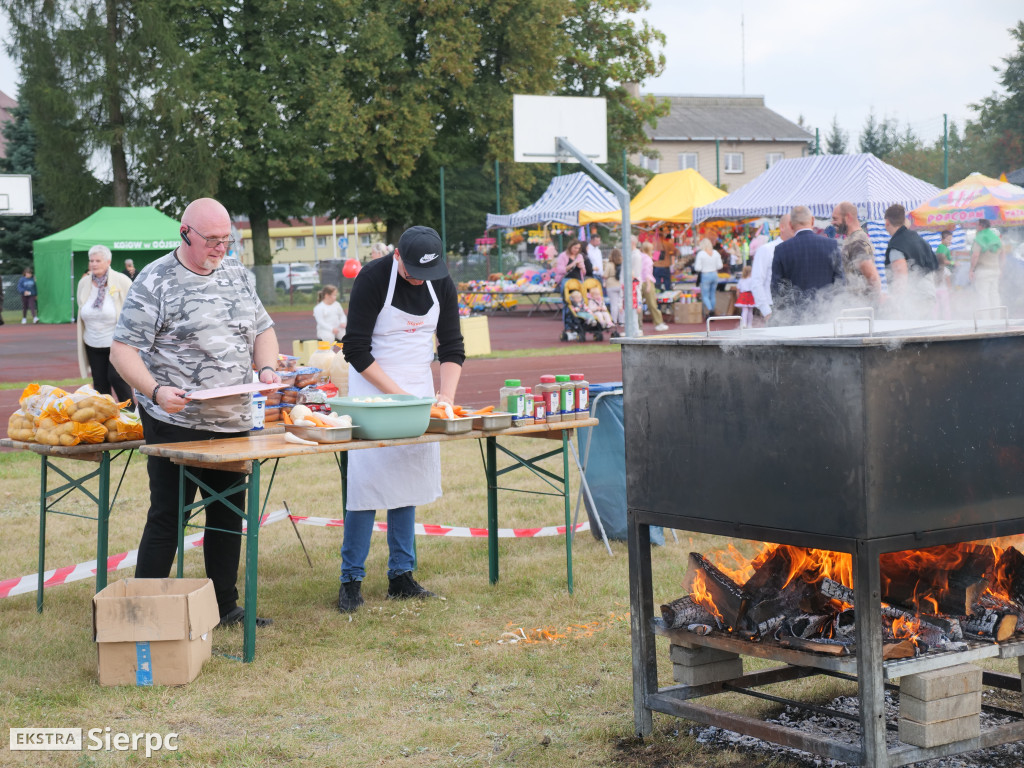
[21, 426]
[67, 433]
[125, 426]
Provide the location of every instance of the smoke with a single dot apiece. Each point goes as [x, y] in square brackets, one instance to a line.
[921, 297]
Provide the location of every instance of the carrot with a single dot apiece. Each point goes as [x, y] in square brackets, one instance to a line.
[458, 410]
[286, 417]
[317, 420]
[437, 413]
[482, 411]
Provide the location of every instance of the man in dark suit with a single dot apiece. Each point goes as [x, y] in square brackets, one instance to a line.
[803, 266]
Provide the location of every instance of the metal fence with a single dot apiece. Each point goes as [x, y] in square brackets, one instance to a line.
[11, 299]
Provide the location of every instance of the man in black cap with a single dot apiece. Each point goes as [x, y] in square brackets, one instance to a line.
[398, 306]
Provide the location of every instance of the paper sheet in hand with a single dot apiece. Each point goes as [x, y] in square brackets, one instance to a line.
[234, 389]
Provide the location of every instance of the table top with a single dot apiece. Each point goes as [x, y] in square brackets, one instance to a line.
[271, 446]
[82, 450]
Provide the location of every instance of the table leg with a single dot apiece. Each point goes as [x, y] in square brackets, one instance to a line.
[102, 520]
[565, 499]
[491, 470]
[42, 534]
[252, 538]
[181, 520]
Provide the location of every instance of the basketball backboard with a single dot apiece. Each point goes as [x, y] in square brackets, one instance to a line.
[16, 195]
[538, 120]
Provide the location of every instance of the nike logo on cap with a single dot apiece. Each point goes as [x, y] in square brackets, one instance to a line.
[428, 257]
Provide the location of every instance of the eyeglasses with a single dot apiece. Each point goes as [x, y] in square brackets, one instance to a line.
[213, 242]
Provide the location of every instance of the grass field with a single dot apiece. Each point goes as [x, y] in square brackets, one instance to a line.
[436, 683]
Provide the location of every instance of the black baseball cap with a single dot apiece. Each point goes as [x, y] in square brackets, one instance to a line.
[422, 253]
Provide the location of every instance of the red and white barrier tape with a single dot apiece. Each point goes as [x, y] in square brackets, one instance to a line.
[87, 570]
[452, 531]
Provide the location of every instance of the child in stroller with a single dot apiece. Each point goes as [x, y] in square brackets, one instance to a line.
[579, 319]
[598, 309]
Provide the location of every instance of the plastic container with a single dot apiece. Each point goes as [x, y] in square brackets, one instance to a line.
[322, 359]
[259, 405]
[582, 399]
[391, 418]
[512, 398]
[566, 397]
[548, 396]
[528, 407]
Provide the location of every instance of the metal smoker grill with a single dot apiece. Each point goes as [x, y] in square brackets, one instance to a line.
[907, 438]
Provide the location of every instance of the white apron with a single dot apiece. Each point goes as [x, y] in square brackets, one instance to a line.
[407, 475]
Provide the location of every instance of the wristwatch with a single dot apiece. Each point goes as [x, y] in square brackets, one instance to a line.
[265, 368]
[155, 390]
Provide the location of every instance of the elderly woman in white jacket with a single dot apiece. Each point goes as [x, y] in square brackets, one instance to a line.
[101, 293]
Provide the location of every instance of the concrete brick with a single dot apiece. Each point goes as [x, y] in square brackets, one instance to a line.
[942, 683]
[707, 673]
[939, 710]
[699, 655]
[1020, 664]
[936, 734]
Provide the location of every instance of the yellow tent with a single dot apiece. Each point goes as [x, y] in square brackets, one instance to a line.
[668, 197]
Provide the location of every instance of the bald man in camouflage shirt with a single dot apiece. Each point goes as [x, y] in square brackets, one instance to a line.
[192, 321]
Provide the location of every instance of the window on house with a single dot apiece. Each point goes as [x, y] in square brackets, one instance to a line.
[649, 163]
[300, 242]
[772, 158]
[279, 244]
[321, 241]
[364, 240]
[688, 160]
[733, 162]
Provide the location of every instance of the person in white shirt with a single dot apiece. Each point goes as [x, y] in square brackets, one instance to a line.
[101, 293]
[761, 274]
[329, 315]
[595, 255]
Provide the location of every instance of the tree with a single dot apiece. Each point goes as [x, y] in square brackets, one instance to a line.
[18, 232]
[260, 114]
[464, 64]
[1001, 119]
[101, 60]
[878, 138]
[837, 139]
[63, 176]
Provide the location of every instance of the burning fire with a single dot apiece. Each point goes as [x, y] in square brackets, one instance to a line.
[952, 581]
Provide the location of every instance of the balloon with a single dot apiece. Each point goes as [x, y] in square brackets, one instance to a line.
[351, 268]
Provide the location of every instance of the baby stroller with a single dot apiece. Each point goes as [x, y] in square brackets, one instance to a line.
[575, 327]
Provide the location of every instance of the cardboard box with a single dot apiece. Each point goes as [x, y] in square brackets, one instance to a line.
[725, 303]
[153, 631]
[304, 349]
[688, 313]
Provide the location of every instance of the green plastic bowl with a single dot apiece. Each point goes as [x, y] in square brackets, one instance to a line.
[405, 416]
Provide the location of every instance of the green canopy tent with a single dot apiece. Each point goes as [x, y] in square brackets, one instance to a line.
[60, 260]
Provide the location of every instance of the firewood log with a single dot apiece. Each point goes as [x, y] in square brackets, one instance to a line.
[684, 611]
[729, 599]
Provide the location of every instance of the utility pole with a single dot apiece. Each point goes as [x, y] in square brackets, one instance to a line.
[945, 151]
[718, 167]
[444, 240]
[497, 197]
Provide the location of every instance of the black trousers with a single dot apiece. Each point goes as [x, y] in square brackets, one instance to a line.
[104, 376]
[160, 536]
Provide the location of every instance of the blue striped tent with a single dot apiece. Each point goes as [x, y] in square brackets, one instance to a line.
[562, 201]
[820, 182]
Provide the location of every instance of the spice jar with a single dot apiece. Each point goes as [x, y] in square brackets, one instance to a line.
[566, 397]
[548, 395]
[582, 399]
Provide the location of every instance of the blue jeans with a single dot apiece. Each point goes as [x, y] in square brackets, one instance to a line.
[708, 286]
[355, 545]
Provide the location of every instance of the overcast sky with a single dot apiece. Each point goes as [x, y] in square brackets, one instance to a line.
[910, 60]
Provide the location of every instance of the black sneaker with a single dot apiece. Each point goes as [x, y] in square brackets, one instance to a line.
[237, 616]
[404, 586]
[349, 598]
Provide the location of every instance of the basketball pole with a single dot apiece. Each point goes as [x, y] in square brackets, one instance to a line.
[562, 144]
